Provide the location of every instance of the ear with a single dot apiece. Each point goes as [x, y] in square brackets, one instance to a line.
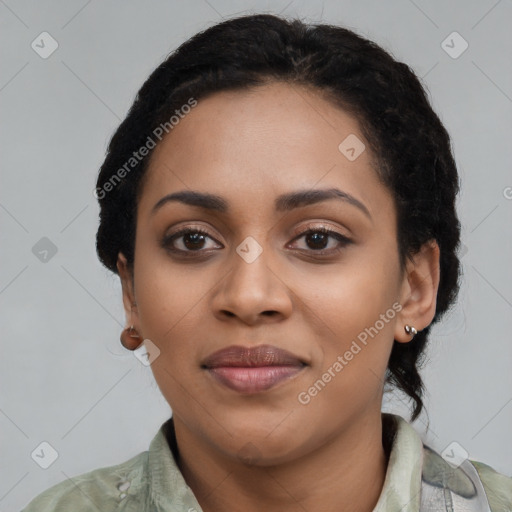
[418, 295]
[129, 302]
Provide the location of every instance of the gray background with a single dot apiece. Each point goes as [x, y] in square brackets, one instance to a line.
[65, 378]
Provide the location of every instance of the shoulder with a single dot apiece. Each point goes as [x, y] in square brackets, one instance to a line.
[106, 489]
[439, 474]
[498, 487]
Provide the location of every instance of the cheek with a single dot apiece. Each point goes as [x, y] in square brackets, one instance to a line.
[352, 315]
[353, 340]
[168, 297]
[352, 296]
[171, 315]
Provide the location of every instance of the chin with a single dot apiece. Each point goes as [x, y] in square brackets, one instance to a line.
[263, 454]
[261, 446]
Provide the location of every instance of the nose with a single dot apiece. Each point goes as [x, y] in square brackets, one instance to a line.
[253, 292]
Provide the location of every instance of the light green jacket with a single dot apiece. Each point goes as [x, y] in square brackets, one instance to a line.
[152, 482]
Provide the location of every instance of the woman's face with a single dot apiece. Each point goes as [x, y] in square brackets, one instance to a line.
[256, 277]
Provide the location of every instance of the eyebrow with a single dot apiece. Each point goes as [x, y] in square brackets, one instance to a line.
[283, 203]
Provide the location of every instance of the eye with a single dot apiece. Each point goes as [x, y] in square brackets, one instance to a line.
[185, 240]
[318, 239]
[190, 240]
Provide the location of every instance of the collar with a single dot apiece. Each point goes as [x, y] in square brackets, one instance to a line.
[401, 490]
[168, 489]
[402, 484]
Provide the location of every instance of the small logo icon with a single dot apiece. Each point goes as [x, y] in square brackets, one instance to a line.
[44, 250]
[249, 249]
[44, 455]
[454, 45]
[351, 147]
[147, 352]
[44, 45]
[454, 454]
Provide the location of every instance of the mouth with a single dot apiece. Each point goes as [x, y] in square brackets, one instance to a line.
[252, 370]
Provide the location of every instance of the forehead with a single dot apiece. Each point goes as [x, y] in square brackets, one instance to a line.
[263, 141]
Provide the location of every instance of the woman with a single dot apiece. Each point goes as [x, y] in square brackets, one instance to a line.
[279, 205]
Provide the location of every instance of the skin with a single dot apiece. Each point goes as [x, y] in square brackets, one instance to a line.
[249, 147]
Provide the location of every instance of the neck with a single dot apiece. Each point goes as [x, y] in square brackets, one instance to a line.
[346, 473]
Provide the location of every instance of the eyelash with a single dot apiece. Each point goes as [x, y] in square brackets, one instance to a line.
[168, 240]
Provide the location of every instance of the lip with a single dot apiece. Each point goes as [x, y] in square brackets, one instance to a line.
[252, 369]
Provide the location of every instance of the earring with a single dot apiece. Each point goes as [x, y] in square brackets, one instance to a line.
[128, 337]
[409, 329]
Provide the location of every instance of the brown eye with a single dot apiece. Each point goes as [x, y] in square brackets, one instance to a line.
[187, 240]
[317, 240]
[193, 241]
